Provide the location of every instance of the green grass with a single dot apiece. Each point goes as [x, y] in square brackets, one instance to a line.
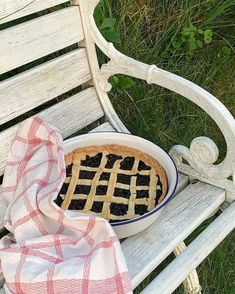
[148, 30]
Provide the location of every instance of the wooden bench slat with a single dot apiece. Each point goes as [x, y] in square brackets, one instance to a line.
[105, 127]
[69, 116]
[13, 9]
[171, 277]
[180, 217]
[30, 89]
[27, 42]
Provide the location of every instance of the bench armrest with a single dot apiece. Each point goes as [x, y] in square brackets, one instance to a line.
[203, 152]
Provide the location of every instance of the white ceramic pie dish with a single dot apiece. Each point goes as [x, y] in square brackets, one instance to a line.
[130, 227]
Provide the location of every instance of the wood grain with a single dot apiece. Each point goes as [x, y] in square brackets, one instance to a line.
[179, 218]
[68, 116]
[13, 9]
[42, 83]
[105, 127]
[170, 278]
[28, 41]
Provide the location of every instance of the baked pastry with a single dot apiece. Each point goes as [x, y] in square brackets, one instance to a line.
[112, 181]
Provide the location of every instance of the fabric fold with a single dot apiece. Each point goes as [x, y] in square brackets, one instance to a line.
[52, 250]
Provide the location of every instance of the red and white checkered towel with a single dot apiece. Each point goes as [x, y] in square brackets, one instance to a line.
[52, 250]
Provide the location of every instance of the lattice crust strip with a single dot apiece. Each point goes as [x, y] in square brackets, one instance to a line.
[144, 189]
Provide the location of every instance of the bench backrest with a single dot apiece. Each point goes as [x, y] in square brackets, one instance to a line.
[43, 65]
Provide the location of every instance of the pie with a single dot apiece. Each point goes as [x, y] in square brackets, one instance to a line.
[113, 181]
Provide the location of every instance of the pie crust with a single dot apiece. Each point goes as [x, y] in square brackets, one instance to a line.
[113, 181]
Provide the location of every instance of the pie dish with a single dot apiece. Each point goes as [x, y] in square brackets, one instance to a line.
[126, 228]
[116, 182]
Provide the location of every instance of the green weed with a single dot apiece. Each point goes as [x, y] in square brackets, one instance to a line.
[108, 28]
[192, 38]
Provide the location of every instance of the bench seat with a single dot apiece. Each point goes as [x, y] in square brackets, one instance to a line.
[49, 67]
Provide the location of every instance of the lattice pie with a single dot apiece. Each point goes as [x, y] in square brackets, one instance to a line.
[113, 181]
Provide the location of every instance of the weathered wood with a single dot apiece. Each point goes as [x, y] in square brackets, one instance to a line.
[13, 9]
[191, 283]
[146, 250]
[28, 41]
[105, 127]
[183, 181]
[69, 116]
[170, 278]
[42, 83]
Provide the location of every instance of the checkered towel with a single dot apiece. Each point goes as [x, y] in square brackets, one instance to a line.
[52, 250]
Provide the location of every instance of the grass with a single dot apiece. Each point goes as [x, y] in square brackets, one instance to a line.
[148, 30]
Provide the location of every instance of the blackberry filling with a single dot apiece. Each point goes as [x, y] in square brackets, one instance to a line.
[64, 188]
[122, 193]
[77, 204]
[118, 209]
[143, 166]
[58, 201]
[142, 180]
[116, 220]
[86, 175]
[101, 190]
[92, 161]
[104, 176]
[111, 160]
[97, 206]
[158, 192]
[127, 163]
[159, 183]
[82, 189]
[142, 194]
[140, 209]
[158, 195]
[69, 170]
[124, 179]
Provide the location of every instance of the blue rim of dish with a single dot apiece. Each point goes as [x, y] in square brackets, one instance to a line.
[147, 214]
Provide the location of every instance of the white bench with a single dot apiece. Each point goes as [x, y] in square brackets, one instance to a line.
[75, 71]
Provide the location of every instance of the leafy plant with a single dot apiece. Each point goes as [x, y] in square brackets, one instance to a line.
[106, 22]
[121, 83]
[226, 50]
[192, 38]
[107, 26]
